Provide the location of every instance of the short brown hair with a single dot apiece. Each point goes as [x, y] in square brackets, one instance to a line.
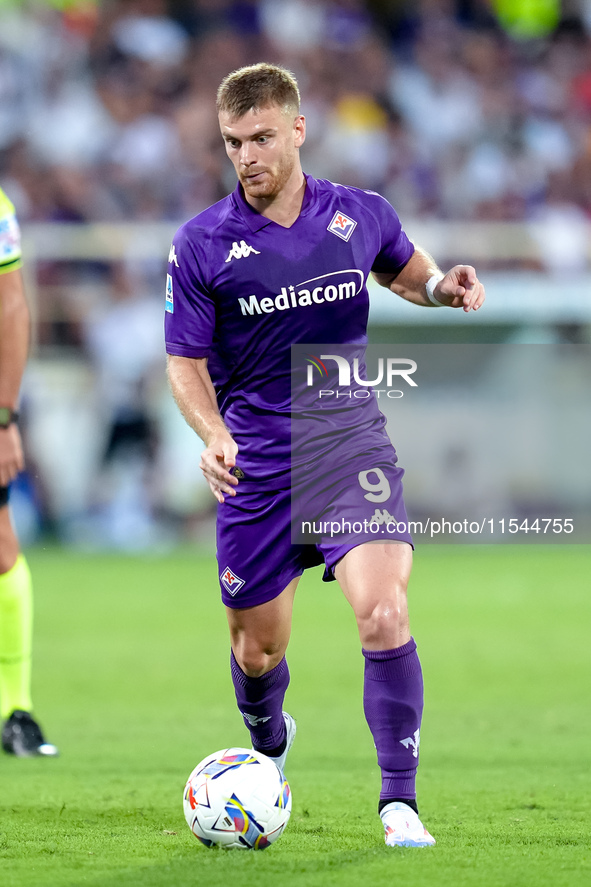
[258, 86]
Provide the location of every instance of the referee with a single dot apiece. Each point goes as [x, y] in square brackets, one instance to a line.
[21, 734]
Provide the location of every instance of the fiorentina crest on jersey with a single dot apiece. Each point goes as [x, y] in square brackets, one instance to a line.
[231, 581]
[342, 226]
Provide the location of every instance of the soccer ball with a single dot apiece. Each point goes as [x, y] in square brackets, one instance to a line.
[237, 798]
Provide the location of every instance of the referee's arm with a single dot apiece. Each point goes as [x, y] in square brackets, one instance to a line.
[14, 346]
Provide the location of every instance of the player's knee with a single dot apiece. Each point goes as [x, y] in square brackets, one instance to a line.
[384, 623]
[256, 660]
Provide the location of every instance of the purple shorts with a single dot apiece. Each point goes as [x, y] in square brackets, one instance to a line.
[265, 538]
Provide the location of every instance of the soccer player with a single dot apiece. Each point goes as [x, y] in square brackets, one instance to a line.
[21, 734]
[249, 277]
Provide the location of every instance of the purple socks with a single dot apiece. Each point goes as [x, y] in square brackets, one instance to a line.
[393, 705]
[392, 701]
[260, 702]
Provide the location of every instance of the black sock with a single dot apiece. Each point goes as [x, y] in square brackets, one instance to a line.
[274, 752]
[410, 802]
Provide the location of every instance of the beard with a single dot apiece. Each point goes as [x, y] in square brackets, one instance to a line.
[271, 181]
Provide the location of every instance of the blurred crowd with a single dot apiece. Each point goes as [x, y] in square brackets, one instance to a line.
[452, 109]
[443, 106]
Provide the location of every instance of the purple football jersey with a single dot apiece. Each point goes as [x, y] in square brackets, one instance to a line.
[242, 289]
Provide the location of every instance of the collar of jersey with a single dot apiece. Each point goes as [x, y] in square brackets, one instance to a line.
[256, 221]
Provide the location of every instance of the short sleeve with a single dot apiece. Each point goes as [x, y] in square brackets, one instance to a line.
[190, 307]
[395, 249]
[10, 237]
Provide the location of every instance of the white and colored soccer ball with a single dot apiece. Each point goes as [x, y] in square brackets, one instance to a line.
[237, 797]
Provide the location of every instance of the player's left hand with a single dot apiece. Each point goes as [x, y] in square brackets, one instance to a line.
[11, 454]
[460, 288]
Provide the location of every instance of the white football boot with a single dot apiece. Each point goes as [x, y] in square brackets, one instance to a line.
[290, 727]
[403, 827]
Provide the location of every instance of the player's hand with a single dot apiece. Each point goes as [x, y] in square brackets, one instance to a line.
[217, 459]
[460, 288]
[11, 454]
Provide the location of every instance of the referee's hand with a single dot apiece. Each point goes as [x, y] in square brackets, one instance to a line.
[11, 454]
[217, 459]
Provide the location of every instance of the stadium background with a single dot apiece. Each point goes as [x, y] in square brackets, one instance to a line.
[473, 118]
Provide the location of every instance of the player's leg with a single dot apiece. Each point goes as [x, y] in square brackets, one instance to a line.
[260, 634]
[374, 578]
[259, 572]
[259, 637]
[15, 622]
[21, 734]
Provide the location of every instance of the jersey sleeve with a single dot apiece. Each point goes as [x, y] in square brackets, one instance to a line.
[395, 249]
[10, 236]
[190, 307]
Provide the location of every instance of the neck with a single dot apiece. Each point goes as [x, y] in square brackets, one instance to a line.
[284, 207]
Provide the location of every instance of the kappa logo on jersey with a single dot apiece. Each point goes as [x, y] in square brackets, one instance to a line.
[169, 306]
[231, 581]
[172, 256]
[241, 251]
[409, 741]
[342, 226]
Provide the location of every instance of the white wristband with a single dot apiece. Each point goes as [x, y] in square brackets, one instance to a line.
[430, 287]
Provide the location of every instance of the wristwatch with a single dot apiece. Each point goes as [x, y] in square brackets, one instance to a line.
[7, 416]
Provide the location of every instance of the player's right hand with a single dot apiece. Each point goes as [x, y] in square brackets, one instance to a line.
[216, 461]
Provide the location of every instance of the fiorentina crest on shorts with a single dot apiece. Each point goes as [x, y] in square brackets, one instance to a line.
[231, 581]
[342, 226]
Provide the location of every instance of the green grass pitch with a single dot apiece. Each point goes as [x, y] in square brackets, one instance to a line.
[131, 680]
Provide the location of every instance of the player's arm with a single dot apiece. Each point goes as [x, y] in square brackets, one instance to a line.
[194, 393]
[421, 281]
[14, 346]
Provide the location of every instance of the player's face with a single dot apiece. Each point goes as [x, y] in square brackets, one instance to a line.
[264, 147]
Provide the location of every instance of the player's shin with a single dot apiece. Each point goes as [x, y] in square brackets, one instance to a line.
[260, 701]
[393, 705]
[15, 638]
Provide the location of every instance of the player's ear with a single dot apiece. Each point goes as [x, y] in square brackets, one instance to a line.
[299, 130]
